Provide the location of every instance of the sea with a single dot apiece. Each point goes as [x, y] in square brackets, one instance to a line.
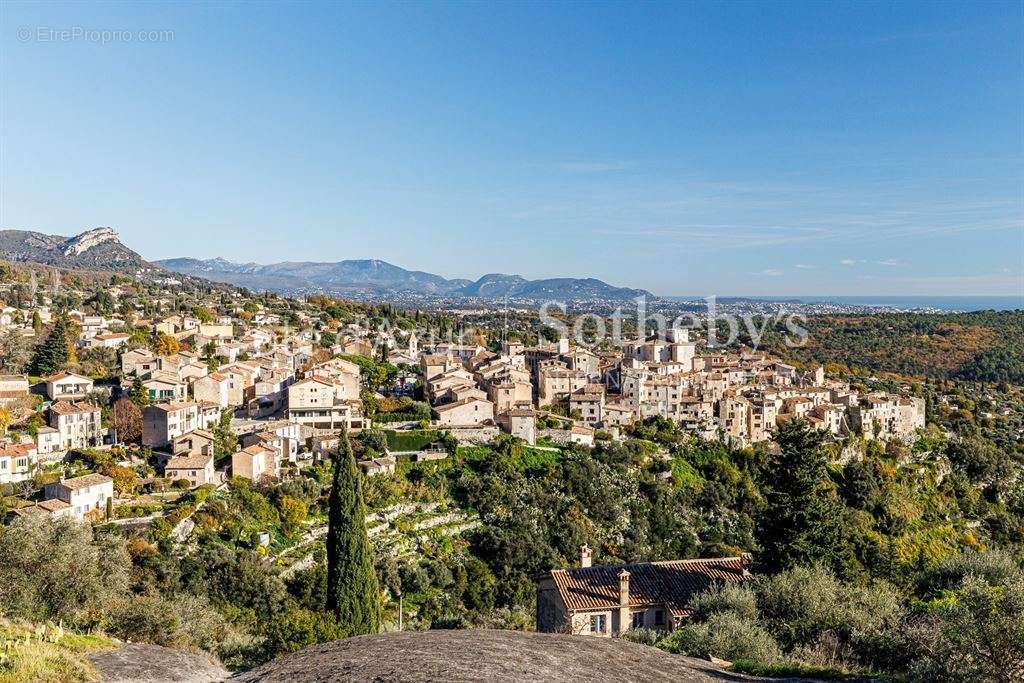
[942, 303]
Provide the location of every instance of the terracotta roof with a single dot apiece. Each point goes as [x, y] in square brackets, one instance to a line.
[71, 408]
[458, 404]
[86, 480]
[313, 380]
[64, 375]
[194, 435]
[188, 462]
[171, 406]
[53, 504]
[672, 583]
[15, 450]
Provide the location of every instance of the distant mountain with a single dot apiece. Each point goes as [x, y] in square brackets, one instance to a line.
[97, 249]
[497, 286]
[374, 277]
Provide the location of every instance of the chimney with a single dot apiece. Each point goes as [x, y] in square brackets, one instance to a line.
[623, 588]
[585, 556]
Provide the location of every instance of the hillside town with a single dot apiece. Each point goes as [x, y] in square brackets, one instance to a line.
[503, 474]
[288, 386]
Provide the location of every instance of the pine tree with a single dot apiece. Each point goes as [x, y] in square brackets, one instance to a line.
[352, 591]
[803, 521]
[52, 355]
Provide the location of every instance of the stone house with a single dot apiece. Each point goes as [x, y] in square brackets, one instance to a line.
[13, 388]
[196, 468]
[18, 462]
[470, 412]
[162, 423]
[139, 362]
[520, 422]
[196, 442]
[322, 404]
[605, 601]
[382, 465]
[84, 495]
[255, 462]
[214, 388]
[77, 424]
[165, 386]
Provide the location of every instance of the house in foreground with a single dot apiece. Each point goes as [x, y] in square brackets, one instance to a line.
[609, 600]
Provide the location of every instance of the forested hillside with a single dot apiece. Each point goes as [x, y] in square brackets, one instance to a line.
[985, 346]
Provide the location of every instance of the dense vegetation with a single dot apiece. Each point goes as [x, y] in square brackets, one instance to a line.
[985, 346]
[886, 563]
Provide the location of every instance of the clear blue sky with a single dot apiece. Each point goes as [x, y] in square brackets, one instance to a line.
[732, 148]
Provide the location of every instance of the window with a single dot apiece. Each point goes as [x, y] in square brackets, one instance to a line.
[637, 620]
[597, 623]
[659, 617]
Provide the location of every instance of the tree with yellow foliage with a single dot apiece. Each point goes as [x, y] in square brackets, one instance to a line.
[165, 345]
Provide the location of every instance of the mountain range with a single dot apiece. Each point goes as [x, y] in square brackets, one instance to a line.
[102, 249]
[362, 277]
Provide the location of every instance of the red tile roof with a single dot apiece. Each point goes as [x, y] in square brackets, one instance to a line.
[70, 407]
[672, 583]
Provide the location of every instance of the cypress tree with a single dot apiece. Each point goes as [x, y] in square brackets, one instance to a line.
[352, 591]
[52, 355]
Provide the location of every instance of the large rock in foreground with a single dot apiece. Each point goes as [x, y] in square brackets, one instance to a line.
[141, 663]
[483, 655]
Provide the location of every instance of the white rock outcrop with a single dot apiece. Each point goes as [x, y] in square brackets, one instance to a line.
[89, 239]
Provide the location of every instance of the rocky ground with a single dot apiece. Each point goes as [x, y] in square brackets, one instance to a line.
[139, 663]
[484, 655]
[427, 656]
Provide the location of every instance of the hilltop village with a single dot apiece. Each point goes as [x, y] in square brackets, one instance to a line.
[183, 435]
[287, 380]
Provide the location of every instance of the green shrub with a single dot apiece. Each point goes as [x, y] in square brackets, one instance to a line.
[643, 636]
[738, 600]
[725, 636]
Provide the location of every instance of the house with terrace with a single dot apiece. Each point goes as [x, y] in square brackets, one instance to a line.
[67, 386]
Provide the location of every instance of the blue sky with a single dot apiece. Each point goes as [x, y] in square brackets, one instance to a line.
[735, 148]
